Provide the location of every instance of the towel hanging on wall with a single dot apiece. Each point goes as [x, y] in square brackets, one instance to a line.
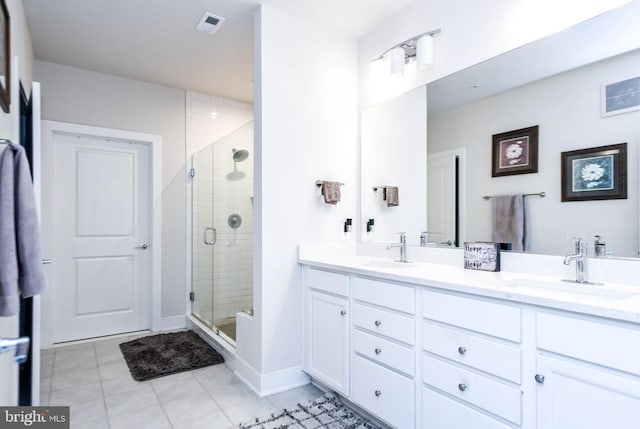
[330, 191]
[21, 270]
[390, 194]
[509, 221]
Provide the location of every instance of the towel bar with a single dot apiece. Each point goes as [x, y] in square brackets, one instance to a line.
[539, 194]
[319, 183]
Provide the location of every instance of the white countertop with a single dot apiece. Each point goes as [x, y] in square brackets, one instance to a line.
[611, 300]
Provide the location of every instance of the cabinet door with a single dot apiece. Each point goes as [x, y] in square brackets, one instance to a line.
[580, 396]
[327, 340]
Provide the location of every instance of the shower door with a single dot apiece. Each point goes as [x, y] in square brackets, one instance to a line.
[222, 231]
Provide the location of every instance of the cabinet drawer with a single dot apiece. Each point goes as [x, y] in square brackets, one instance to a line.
[441, 412]
[595, 342]
[498, 359]
[327, 281]
[378, 349]
[385, 323]
[383, 392]
[396, 297]
[489, 318]
[493, 396]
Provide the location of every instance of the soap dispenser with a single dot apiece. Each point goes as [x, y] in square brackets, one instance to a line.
[600, 247]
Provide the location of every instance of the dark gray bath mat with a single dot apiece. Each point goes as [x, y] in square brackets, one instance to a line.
[326, 412]
[163, 354]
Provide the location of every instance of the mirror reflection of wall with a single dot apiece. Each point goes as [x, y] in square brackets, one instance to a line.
[567, 108]
[394, 154]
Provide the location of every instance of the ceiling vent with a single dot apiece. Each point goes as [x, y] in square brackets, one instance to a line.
[210, 23]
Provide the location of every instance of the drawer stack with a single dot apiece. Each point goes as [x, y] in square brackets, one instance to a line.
[383, 341]
[471, 363]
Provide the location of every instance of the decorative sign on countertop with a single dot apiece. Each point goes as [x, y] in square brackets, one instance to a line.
[482, 256]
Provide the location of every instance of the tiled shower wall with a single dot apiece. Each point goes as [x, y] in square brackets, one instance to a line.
[222, 273]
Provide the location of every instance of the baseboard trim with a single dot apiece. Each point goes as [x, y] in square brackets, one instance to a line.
[274, 382]
[175, 322]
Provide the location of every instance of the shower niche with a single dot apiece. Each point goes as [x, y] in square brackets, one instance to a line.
[222, 232]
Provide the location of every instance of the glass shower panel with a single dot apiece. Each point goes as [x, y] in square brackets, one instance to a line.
[233, 220]
[222, 231]
[202, 236]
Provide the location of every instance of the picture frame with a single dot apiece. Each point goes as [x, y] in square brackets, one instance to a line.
[597, 173]
[5, 57]
[481, 255]
[515, 152]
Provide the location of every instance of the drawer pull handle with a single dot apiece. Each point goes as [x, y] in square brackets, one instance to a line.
[462, 387]
[462, 350]
[378, 351]
[343, 312]
[377, 393]
[539, 378]
[377, 323]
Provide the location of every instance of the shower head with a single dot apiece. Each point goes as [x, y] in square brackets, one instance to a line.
[240, 155]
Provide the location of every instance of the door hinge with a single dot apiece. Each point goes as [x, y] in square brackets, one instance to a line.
[192, 296]
[192, 172]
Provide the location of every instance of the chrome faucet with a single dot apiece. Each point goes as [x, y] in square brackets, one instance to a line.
[423, 239]
[580, 256]
[402, 245]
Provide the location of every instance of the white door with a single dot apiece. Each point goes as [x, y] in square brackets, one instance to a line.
[441, 199]
[327, 349]
[581, 396]
[101, 275]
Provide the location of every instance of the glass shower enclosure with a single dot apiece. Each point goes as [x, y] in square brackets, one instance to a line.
[222, 232]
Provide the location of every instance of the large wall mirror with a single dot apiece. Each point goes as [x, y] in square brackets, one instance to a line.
[554, 83]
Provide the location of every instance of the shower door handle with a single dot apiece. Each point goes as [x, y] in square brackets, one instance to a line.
[215, 236]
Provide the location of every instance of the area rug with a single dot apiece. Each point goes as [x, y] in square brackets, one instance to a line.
[325, 412]
[163, 354]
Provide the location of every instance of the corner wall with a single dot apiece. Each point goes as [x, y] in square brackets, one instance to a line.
[306, 130]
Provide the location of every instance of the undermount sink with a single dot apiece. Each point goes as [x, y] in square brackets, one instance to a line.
[573, 288]
[382, 263]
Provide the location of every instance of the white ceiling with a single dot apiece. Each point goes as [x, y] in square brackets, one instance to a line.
[155, 40]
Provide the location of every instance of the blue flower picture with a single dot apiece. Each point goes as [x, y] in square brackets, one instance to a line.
[593, 174]
[596, 173]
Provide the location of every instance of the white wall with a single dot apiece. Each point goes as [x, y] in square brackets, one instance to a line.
[567, 109]
[80, 96]
[306, 129]
[394, 153]
[472, 31]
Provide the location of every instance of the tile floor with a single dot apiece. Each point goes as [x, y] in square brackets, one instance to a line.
[94, 380]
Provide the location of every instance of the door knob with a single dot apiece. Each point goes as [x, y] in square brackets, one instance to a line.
[142, 246]
[539, 378]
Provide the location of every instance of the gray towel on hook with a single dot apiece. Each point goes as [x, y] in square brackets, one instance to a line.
[21, 270]
[390, 195]
[331, 192]
[508, 221]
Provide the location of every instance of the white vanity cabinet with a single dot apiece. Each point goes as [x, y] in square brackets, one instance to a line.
[588, 373]
[420, 356]
[471, 363]
[326, 328]
[383, 340]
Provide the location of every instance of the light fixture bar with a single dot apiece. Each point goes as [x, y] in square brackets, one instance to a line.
[409, 46]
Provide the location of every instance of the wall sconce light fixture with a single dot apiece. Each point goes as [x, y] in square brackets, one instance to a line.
[419, 49]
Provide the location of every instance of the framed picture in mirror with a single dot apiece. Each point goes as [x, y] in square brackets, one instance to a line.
[5, 55]
[597, 173]
[515, 152]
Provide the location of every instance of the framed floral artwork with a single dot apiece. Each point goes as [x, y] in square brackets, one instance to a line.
[515, 152]
[597, 173]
